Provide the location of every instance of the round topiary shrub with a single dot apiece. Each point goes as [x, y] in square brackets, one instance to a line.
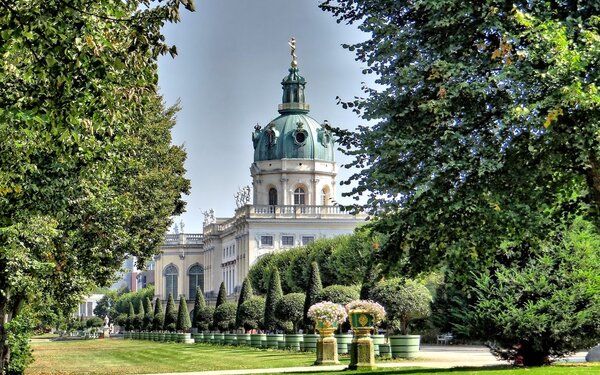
[341, 294]
[225, 316]
[290, 309]
[251, 313]
[404, 300]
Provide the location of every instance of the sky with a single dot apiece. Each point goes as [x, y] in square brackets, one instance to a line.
[232, 56]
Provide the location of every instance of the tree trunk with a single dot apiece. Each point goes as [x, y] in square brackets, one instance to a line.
[593, 180]
[4, 348]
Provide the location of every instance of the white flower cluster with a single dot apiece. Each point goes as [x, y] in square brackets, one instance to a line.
[370, 307]
[327, 311]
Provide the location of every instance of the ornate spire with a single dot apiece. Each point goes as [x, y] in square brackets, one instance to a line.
[292, 44]
[293, 87]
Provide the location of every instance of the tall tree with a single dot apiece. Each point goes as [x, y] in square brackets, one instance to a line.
[170, 322]
[87, 171]
[159, 316]
[245, 294]
[199, 305]
[313, 288]
[149, 314]
[183, 316]
[274, 294]
[485, 128]
[221, 299]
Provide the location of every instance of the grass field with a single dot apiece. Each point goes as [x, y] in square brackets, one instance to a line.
[120, 357]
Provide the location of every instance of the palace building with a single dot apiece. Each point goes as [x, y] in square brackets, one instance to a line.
[290, 205]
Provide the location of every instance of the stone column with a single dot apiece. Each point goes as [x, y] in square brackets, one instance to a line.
[327, 351]
[362, 351]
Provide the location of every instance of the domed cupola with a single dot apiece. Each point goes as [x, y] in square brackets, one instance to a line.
[294, 134]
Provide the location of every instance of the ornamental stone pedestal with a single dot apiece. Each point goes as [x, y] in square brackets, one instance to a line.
[362, 350]
[327, 353]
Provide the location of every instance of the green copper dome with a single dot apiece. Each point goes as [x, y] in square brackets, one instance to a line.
[294, 134]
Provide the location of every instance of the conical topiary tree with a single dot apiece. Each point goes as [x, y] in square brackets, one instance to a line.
[170, 323]
[274, 294]
[183, 316]
[159, 316]
[138, 319]
[313, 288]
[245, 294]
[147, 323]
[130, 317]
[221, 299]
[199, 305]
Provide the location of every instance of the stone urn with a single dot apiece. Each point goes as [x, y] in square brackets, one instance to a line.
[362, 350]
[327, 353]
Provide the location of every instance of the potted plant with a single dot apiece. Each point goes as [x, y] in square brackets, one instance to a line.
[327, 316]
[405, 301]
[364, 315]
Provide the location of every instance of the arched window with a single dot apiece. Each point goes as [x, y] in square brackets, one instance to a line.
[171, 274]
[272, 197]
[299, 196]
[325, 196]
[196, 279]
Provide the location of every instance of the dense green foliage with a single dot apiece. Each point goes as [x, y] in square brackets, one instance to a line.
[404, 301]
[313, 288]
[159, 316]
[183, 316]
[251, 313]
[484, 135]
[88, 174]
[342, 260]
[130, 322]
[548, 305]
[106, 306]
[148, 316]
[225, 316]
[222, 295]
[274, 294]
[290, 309]
[341, 294]
[138, 319]
[245, 294]
[204, 320]
[199, 305]
[170, 322]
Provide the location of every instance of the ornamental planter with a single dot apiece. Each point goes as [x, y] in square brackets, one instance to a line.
[207, 337]
[343, 343]
[258, 340]
[198, 337]
[326, 328]
[405, 346]
[362, 351]
[281, 345]
[127, 335]
[310, 343]
[273, 340]
[292, 341]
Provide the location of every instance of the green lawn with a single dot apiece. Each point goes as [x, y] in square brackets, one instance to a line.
[118, 357]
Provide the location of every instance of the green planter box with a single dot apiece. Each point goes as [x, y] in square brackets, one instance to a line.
[273, 340]
[209, 337]
[310, 343]
[198, 337]
[293, 340]
[343, 343]
[385, 351]
[218, 338]
[258, 340]
[229, 338]
[160, 336]
[243, 339]
[377, 340]
[405, 346]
